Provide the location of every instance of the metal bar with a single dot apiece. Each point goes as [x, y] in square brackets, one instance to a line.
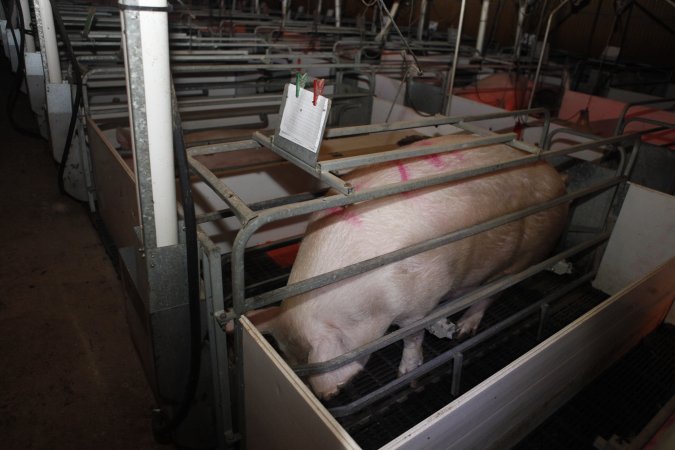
[410, 152]
[455, 57]
[265, 204]
[210, 149]
[446, 310]
[213, 290]
[328, 178]
[429, 122]
[543, 315]
[543, 50]
[470, 343]
[406, 252]
[240, 209]
[265, 217]
[620, 123]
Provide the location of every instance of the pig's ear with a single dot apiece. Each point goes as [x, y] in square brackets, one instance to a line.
[264, 319]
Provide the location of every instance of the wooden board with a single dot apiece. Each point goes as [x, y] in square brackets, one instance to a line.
[504, 408]
[281, 412]
[643, 238]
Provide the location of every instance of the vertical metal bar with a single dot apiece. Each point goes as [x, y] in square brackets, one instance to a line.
[146, 56]
[48, 45]
[456, 373]
[338, 12]
[448, 89]
[519, 29]
[213, 290]
[543, 51]
[422, 18]
[482, 26]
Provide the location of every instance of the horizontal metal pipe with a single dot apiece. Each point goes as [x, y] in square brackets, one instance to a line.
[446, 310]
[411, 152]
[240, 209]
[370, 264]
[274, 214]
[211, 149]
[429, 122]
[438, 361]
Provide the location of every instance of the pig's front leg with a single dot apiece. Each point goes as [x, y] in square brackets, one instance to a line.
[469, 322]
[412, 356]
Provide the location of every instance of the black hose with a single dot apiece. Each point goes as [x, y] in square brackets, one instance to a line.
[60, 27]
[164, 426]
[20, 70]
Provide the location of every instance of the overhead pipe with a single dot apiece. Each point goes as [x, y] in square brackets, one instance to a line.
[482, 26]
[145, 33]
[422, 19]
[51, 49]
[382, 35]
[543, 50]
[449, 84]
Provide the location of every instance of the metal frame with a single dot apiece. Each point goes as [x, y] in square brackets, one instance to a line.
[252, 218]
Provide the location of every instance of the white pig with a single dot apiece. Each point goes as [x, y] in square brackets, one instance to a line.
[325, 323]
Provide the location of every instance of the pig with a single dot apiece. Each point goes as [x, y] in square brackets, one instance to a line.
[328, 322]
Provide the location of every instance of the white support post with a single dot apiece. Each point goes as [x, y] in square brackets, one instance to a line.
[482, 26]
[29, 46]
[338, 12]
[422, 18]
[519, 29]
[51, 48]
[146, 56]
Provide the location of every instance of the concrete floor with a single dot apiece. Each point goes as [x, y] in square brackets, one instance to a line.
[69, 375]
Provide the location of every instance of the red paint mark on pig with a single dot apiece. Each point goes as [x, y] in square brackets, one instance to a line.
[435, 161]
[352, 218]
[402, 170]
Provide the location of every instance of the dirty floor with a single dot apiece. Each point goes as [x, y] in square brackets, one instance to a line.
[69, 375]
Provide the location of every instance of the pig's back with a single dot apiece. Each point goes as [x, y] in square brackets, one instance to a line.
[344, 236]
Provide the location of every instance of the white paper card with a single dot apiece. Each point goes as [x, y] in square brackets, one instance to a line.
[301, 121]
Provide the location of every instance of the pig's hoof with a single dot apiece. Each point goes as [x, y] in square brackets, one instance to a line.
[468, 326]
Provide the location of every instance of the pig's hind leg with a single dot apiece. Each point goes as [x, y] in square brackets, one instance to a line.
[412, 356]
[468, 324]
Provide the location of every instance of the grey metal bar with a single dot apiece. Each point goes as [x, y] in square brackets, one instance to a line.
[543, 315]
[240, 209]
[436, 362]
[328, 178]
[661, 125]
[265, 204]
[622, 117]
[543, 50]
[398, 255]
[447, 92]
[224, 147]
[410, 152]
[265, 217]
[213, 290]
[446, 310]
[429, 122]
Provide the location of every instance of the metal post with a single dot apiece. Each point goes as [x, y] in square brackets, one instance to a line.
[543, 50]
[338, 12]
[146, 55]
[448, 89]
[482, 26]
[519, 29]
[48, 34]
[422, 18]
[30, 41]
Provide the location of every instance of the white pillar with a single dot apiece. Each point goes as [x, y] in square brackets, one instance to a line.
[51, 49]
[146, 55]
[338, 12]
[30, 41]
[519, 28]
[422, 18]
[482, 26]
